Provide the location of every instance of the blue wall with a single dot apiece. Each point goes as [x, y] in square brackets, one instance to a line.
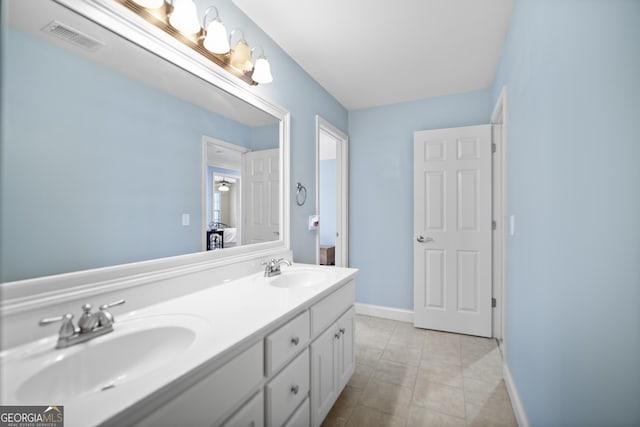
[381, 188]
[572, 70]
[328, 212]
[95, 174]
[265, 137]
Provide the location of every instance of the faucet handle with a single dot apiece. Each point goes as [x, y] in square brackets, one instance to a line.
[66, 330]
[112, 304]
[105, 317]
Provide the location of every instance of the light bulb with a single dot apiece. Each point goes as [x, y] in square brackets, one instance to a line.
[184, 17]
[241, 54]
[262, 71]
[216, 40]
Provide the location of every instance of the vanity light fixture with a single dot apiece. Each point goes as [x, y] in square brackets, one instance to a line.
[179, 18]
[216, 35]
[150, 4]
[262, 69]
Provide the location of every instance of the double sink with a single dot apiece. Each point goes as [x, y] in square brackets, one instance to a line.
[139, 348]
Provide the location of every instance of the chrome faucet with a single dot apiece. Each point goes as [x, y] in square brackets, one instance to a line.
[273, 267]
[90, 325]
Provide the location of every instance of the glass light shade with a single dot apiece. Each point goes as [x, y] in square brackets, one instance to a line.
[184, 17]
[223, 187]
[241, 54]
[216, 40]
[150, 4]
[262, 71]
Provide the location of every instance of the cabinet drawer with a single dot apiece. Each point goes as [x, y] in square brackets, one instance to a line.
[327, 311]
[300, 418]
[250, 415]
[284, 343]
[287, 390]
[211, 400]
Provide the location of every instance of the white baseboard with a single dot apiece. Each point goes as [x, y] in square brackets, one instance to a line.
[516, 403]
[385, 312]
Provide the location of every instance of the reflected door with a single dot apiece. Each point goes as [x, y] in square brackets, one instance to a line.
[452, 225]
[261, 176]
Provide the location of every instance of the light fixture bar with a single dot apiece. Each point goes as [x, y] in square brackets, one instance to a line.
[159, 18]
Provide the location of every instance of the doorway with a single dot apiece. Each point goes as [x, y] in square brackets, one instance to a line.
[222, 204]
[332, 172]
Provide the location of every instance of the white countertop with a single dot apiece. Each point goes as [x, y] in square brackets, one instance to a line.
[225, 317]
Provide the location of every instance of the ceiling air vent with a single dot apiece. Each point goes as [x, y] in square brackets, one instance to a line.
[72, 35]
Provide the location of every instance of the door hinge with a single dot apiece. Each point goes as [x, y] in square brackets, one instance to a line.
[493, 224]
[493, 147]
[493, 303]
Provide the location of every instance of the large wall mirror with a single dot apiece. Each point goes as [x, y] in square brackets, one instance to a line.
[120, 147]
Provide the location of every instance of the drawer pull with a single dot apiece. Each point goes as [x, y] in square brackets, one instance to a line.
[295, 340]
[295, 389]
[342, 331]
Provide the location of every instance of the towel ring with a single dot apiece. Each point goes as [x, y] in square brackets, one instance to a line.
[301, 194]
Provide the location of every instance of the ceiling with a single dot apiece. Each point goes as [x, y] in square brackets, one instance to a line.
[368, 53]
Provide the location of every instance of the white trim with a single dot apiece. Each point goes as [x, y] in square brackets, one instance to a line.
[342, 206]
[516, 403]
[500, 235]
[391, 313]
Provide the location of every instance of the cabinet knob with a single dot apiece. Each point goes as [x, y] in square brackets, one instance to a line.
[342, 331]
[295, 340]
[295, 389]
[337, 335]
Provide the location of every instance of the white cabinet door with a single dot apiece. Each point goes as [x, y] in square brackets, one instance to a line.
[346, 350]
[452, 224]
[333, 361]
[324, 378]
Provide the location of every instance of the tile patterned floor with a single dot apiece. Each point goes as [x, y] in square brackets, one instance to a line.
[412, 377]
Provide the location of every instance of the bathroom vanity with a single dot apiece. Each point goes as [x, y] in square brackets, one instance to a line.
[289, 374]
[249, 351]
[204, 339]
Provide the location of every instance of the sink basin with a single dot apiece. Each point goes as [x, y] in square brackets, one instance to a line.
[135, 348]
[299, 278]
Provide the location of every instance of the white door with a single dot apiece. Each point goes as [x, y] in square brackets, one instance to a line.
[341, 201]
[261, 176]
[452, 230]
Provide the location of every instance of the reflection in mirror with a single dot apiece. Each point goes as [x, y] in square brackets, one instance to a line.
[242, 193]
[102, 153]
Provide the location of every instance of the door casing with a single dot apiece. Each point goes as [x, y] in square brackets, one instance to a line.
[342, 202]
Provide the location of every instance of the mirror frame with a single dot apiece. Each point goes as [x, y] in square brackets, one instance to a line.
[118, 19]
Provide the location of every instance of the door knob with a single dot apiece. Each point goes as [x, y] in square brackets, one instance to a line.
[422, 239]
